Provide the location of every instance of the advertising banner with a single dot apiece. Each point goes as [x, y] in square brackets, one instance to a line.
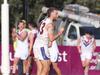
[69, 61]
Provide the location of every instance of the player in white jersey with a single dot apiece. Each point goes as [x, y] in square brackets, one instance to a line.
[32, 34]
[86, 46]
[54, 53]
[21, 51]
[44, 40]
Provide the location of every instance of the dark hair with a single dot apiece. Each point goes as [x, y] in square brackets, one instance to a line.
[33, 24]
[88, 32]
[13, 27]
[50, 10]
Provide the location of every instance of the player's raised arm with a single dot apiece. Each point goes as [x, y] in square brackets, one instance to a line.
[51, 35]
[22, 36]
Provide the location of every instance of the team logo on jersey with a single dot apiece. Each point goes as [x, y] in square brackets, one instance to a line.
[86, 43]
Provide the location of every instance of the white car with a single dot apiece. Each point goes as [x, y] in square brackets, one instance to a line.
[75, 30]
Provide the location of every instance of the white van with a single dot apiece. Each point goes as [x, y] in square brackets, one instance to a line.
[75, 30]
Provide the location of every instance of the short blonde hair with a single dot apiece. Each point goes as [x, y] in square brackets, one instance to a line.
[24, 22]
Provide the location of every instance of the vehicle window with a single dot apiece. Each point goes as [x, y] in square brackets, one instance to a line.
[95, 31]
[72, 33]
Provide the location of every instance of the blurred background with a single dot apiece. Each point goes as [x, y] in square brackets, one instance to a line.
[30, 9]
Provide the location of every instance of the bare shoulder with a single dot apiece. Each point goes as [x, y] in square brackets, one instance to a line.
[24, 33]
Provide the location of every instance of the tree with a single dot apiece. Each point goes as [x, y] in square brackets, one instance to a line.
[54, 3]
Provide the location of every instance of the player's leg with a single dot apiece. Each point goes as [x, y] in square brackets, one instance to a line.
[39, 67]
[15, 65]
[54, 53]
[87, 61]
[27, 65]
[20, 67]
[54, 59]
[45, 67]
[36, 52]
[45, 60]
[56, 68]
[83, 58]
[25, 62]
[83, 63]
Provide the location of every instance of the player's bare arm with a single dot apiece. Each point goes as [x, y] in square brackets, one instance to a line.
[31, 39]
[51, 35]
[22, 36]
[94, 45]
[78, 45]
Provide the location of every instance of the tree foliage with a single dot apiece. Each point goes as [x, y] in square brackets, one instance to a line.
[18, 7]
[34, 7]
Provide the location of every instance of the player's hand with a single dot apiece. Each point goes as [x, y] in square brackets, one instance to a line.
[16, 34]
[50, 44]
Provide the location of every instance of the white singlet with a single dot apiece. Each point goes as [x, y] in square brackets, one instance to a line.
[86, 48]
[40, 47]
[34, 31]
[22, 47]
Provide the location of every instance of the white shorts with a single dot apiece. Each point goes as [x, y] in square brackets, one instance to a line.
[86, 55]
[21, 53]
[40, 51]
[54, 52]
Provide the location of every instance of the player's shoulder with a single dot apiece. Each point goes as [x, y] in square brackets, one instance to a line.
[35, 30]
[26, 31]
[47, 20]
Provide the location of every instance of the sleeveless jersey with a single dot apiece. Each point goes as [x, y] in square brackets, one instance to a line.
[22, 45]
[43, 32]
[34, 32]
[86, 45]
